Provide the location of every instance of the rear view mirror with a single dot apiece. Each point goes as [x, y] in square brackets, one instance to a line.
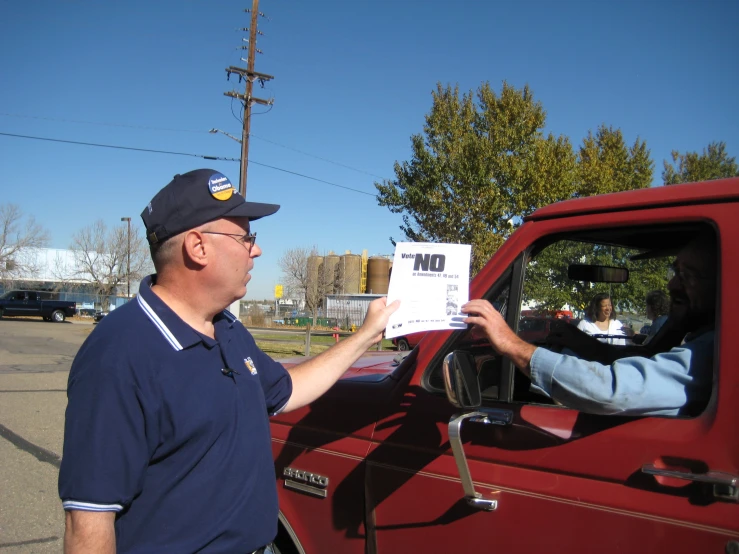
[597, 273]
[460, 380]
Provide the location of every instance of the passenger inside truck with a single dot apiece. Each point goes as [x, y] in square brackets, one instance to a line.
[625, 263]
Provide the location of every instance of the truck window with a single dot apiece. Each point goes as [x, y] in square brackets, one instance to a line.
[548, 296]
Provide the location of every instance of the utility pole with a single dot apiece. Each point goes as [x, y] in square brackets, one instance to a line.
[250, 76]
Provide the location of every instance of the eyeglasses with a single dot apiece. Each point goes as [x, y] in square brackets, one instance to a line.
[246, 239]
[685, 275]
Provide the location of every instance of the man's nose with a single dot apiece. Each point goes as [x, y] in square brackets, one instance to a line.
[675, 283]
[255, 251]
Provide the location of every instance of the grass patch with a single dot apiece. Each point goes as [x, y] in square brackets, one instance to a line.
[319, 344]
[279, 350]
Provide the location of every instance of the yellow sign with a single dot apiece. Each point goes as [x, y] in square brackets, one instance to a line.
[278, 291]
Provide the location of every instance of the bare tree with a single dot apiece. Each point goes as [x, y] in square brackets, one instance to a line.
[306, 275]
[19, 241]
[101, 258]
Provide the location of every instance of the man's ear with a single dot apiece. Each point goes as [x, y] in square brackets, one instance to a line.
[195, 249]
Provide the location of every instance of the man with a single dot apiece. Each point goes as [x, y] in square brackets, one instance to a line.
[167, 445]
[674, 382]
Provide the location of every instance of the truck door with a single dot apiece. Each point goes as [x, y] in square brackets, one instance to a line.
[33, 304]
[17, 304]
[558, 479]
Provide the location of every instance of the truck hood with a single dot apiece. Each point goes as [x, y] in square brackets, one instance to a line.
[371, 363]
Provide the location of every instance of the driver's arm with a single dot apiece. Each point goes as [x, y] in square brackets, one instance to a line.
[661, 385]
[503, 340]
[589, 348]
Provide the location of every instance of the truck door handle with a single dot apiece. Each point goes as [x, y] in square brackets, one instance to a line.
[488, 417]
[725, 485]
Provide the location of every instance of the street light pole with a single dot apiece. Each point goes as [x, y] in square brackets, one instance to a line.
[214, 130]
[128, 258]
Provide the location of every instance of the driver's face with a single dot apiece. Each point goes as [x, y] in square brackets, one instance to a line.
[693, 286]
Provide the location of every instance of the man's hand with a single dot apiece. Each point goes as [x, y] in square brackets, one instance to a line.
[375, 322]
[503, 340]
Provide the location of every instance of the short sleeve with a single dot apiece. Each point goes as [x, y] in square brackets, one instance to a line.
[108, 432]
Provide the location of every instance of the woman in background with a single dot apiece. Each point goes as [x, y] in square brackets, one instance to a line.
[658, 304]
[600, 319]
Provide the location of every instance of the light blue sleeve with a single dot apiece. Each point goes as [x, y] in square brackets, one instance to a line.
[660, 385]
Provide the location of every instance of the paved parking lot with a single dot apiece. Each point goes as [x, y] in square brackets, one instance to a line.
[35, 357]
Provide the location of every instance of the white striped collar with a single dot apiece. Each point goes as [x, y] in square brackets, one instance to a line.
[158, 323]
[175, 331]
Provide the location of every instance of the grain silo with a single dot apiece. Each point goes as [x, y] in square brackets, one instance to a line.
[378, 275]
[315, 265]
[330, 272]
[350, 274]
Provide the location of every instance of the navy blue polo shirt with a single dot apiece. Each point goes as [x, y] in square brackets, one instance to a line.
[169, 428]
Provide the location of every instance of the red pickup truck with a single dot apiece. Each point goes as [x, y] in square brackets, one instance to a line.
[385, 463]
[409, 341]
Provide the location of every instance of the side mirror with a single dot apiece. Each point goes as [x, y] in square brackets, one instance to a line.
[460, 380]
[597, 273]
[639, 338]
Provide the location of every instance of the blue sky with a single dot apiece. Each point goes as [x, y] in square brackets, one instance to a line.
[352, 83]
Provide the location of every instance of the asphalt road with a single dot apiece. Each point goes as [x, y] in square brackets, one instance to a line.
[35, 357]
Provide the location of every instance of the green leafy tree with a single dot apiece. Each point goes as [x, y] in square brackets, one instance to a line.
[713, 163]
[607, 164]
[481, 164]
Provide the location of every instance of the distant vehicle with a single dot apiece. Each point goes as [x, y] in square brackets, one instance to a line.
[535, 329]
[409, 341]
[99, 316]
[33, 303]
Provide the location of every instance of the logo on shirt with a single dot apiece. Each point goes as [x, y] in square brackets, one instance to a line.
[250, 366]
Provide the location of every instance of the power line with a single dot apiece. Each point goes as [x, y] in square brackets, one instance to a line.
[148, 128]
[312, 178]
[219, 158]
[117, 147]
[317, 157]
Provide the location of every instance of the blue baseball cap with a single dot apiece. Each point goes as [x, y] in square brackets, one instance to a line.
[194, 198]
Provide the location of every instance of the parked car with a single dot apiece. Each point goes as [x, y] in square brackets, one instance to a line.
[451, 449]
[535, 329]
[33, 303]
[409, 341]
[99, 315]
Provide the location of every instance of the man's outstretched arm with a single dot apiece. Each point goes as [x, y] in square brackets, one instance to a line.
[502, 338]
[661, 385]
[313, 378]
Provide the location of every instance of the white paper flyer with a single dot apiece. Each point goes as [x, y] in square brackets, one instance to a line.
[432, 282]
